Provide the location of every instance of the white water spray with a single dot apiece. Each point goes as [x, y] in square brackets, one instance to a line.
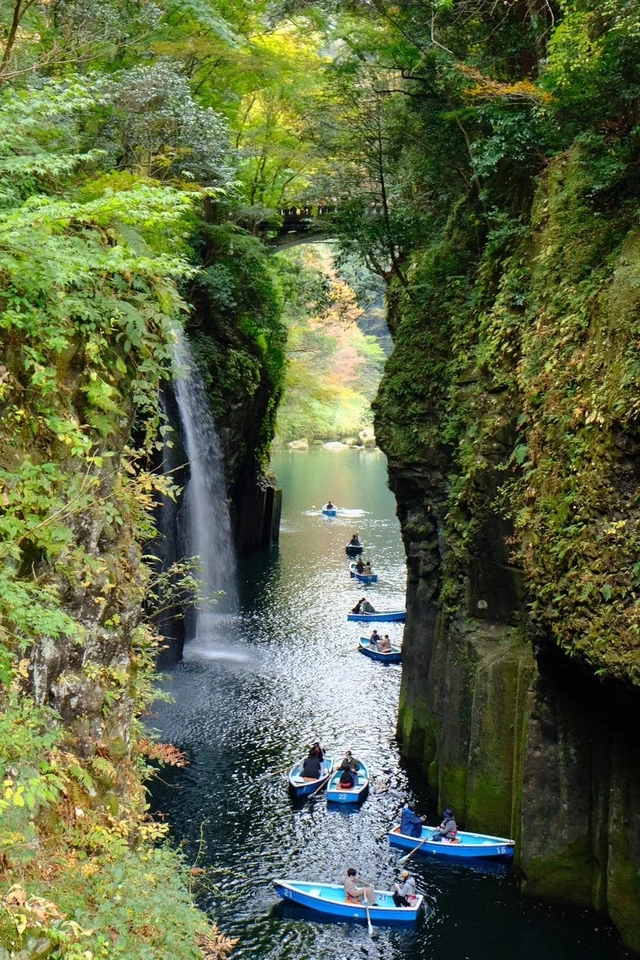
[208, 524]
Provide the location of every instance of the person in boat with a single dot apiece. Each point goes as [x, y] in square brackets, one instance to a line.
[311, 768]
[355, 542]
[367, 568]
[359, 565]
[358, 890]
[349, 762]
[346, 780]
[448, 829]
[358, 606]
[404, 894]
[411, 823]
[375, 640]
[385, 644]
[317, 751]
[366, 607]
[329, 506]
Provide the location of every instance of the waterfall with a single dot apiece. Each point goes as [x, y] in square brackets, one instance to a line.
[205, 507]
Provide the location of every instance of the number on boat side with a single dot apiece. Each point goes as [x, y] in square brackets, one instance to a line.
[287, 893]
[502, 849]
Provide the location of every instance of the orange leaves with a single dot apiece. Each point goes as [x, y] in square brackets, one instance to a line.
[165, 753]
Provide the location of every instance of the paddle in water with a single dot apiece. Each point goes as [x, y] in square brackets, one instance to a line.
[369, 924]
[411, 852]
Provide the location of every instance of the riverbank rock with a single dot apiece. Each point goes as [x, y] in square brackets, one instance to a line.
[298, 445]
[367, 437]
[335, 445]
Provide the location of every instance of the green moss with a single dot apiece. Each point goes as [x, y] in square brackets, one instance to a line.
[567, 876]
[453, 787]
[624, 901]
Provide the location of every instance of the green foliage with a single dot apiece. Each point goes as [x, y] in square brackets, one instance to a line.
[333, 368]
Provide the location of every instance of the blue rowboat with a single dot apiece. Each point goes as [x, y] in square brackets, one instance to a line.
[352, 794]
[394, 655]
[465, 844]
[378, 617]
[352, 549]
[362, 577]
[301, 787]
[331, 899]
[329, 511]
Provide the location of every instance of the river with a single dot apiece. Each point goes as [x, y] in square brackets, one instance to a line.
[253, 695]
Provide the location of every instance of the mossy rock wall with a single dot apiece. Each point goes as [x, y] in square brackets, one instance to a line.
[508, 413]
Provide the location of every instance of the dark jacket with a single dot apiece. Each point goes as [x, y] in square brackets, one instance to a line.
[353, 765]
[411, 823]
[312, 768]
[346, 779]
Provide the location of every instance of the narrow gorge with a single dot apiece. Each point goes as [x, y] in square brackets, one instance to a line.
[472, 165]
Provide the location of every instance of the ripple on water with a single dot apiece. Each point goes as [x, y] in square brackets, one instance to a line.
[258, 689]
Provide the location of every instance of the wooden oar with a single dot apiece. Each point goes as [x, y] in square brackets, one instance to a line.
[325, 779]
[415, 850]
[369, 924]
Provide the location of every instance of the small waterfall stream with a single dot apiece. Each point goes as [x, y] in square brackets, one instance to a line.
[205, 507]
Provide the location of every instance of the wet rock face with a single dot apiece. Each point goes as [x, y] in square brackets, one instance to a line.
[534, 751]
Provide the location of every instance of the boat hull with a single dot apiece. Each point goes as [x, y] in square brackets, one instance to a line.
[354, 794]
[381, 616]
[302, 788]
[394, 656]
[476, 845]
[365, 578]
[329, 513]
[352, 550]
[330, 899]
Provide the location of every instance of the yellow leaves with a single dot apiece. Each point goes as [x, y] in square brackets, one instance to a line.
[29, 911]
[486, 88]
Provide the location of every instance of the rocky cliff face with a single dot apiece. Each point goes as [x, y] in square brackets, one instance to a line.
[512, 453]
[239, 341]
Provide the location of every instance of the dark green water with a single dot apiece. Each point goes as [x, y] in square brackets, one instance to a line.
[265, 684]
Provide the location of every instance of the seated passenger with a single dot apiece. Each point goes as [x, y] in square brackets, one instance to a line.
[448, 829]
[358, 606]
[360, 565]
[317, 751]
[349, 762]
[354, 542]
[357, 890]
[366, 606]
[385, 644]
[329, 506]
[405, 892]
[346, 780]
[367, 568]
[411, 823]
[375, 640]
[311, 768]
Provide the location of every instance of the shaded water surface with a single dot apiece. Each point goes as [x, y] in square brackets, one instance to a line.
[283, 673]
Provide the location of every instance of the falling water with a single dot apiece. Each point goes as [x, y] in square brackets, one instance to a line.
[208, 525]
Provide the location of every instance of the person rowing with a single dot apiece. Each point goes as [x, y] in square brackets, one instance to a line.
[384, 645]
[355, 542]
[357, 890]
[411, 823]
